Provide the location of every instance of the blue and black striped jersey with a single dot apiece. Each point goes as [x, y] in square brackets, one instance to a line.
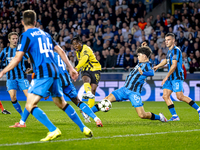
[39, 45]
[18, 72]
[64, 75]
[134, 81]
[175, 54]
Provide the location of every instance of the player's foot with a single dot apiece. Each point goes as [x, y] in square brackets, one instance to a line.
[88, 95]
[86, 117]
[52, 135]
[99, 123]
[18, 125]
[174, 118]
[162, 117]
[5, 112]
[87, 132]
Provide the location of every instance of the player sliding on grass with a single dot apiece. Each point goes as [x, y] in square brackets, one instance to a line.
[133, 86]
[40, 46]
[90, 70]
[16, 78]
[4, 111]
[173, 82]
[69, 90]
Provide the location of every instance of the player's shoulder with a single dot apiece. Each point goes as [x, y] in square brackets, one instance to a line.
[86, 48]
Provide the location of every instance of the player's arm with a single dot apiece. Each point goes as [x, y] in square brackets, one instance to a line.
[14, 62]
[164, 62]
[83, 60]
[147, 71]
[172, 68]
[72, 71]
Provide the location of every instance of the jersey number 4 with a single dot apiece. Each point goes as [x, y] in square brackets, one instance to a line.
[61, 63]
[45, 47]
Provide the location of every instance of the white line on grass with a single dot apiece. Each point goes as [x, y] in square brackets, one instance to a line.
[103, 137]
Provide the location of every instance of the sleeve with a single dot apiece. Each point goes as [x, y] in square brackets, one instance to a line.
[23, 44]
[176, 55]
[148, 71]
[26, 56]
[2, 55]
[54, 42]
[83, 60]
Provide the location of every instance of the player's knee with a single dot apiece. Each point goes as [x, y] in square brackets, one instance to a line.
[180, 96]
[29, 107]
[142, 116]
[165, 96]
[13, 98]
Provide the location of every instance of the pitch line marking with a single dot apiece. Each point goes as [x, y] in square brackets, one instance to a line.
[106, 137]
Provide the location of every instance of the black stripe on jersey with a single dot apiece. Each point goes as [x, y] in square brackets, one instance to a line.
[18, 71]
[54, 69]
[66, 76]
[131, 77]
[26, 56]
[134, 81]
[11, 55]
[62, 80]
[31, 58]
[26, 45]
[7, 61]
[41, 71]
[146, 68]
[170, 64]
[49, 70]
[182, 77]
[2, 56]
[141, 88]
[90, 64]
[136, 86]
[176, 51]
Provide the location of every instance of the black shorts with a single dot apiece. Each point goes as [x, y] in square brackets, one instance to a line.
[93, 75]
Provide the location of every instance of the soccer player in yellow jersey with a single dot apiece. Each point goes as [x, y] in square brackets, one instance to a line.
[90, 69]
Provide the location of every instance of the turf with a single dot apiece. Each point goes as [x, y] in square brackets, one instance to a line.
[123, 129]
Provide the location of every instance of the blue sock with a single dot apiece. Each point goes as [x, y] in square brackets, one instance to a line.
[155, 117]
[17, 107]
[194, 105]
[95, 108]
[69, 110]
[172, 110]
[86, 109]
[42, 117]
[25, 115]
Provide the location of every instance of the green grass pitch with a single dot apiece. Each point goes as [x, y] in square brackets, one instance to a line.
[123, 129]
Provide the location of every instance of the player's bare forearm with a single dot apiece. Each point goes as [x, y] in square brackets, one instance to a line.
[164, 62]
[63, 56]
[14, 62]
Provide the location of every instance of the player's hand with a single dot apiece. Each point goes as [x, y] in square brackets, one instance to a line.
[73, 73]
[164, 80]
[29, 70]
[155, 68]
[140, 70]
[1, 74]
[45, 98]
[144, 44]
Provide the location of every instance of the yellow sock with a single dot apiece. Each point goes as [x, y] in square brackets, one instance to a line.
[87, 87]
[91, 102]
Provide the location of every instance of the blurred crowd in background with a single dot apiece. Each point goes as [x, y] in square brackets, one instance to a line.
[113, 29]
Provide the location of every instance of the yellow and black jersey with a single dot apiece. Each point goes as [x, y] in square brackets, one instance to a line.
[87, 60]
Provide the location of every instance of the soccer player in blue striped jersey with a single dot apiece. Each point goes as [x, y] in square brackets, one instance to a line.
[17, 76]
[39, 45]
[133, 85]
[173, 82]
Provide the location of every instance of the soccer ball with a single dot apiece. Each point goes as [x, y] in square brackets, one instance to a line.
[105, 105]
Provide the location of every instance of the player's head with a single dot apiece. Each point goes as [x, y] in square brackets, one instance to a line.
[77, 43]
[29, 18]
[143, 53]
[169, 39]
[13, 38]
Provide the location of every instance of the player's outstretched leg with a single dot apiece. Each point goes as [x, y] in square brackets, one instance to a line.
[17, 107]
[188, 100]
[90, 113]
[22, 123]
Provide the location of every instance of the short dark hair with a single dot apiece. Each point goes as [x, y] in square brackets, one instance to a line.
[144, 50]
[12, 33]
[29, 17]
[77, 38]
[170, 34]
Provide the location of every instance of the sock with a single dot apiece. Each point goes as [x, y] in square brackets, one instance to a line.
[87, 87]
[69, 110]
[95, 108]
[194, 105]
[86, 109]
[1, 106]
[91, 102]
[17, 107]
[172, 110]
[155, 117]
[42, 117]
[24, 116]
